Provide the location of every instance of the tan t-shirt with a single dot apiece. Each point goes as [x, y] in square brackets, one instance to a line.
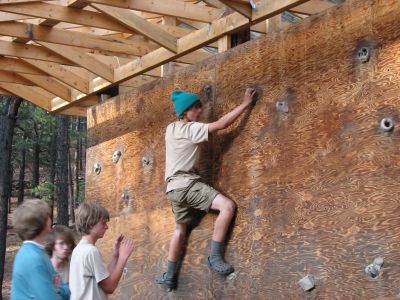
[87, 269]
[182, 152]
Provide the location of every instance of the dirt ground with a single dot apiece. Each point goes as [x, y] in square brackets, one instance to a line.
[13, 244]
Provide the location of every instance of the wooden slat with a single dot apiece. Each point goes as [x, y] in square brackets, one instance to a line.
[51, 85]
[242, 8]
[273, 8]
[312, 7]
[6, 17]
[64, 37]
[61, 73]
[172, 8]
[33, 94]
[12, 77]
[30, 51]
[18, 66]
[4, 92]
[64, 14]
[140, 25]
[224, 43]
[82, 59]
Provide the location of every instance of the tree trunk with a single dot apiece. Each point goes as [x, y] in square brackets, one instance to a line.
[82, 130]
[7, 123]
[62, 170]
[21, 177]
[52, 172]
[71, 188]
[35, 158]
[78, 161]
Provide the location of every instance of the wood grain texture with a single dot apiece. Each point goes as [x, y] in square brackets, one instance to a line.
[317, 187]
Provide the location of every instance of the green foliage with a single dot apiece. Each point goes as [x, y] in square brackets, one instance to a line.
[45, 191]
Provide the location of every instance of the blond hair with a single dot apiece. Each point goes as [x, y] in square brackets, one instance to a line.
[30, 218]
[88, 215]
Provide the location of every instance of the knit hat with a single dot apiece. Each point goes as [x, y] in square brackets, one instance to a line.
[183, 101]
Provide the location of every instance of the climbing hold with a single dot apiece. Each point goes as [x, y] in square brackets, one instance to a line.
[146, 161]
[124, 272]
[378, 261]
[387, 124]
[125, 198]
[374, 268]
[282, 106]
[363, 54]
[307, 283]
[116, 155]
[253, 5]
[257, 95]
[232, 276]
[207, 92]
[97, 168]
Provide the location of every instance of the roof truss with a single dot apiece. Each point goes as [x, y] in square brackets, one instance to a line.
[60, 54]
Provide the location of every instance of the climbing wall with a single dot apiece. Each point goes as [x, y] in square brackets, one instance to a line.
[314, 167]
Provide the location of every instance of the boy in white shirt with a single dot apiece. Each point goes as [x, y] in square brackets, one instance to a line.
[89, 277]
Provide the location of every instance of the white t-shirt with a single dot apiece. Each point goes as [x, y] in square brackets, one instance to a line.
[182, 152]
[87, 269]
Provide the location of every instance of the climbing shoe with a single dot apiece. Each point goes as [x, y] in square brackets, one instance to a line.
[169, 282]
[218, 265]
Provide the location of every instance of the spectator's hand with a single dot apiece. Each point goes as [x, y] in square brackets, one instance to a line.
[126, 248]
[117, 245]
[249, 96]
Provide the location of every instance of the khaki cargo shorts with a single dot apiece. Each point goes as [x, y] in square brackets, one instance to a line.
[185, 201]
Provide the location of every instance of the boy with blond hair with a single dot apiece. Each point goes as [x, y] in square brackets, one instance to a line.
[89, 277]
[33, 276]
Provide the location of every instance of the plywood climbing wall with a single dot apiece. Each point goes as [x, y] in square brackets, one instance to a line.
[317, 187]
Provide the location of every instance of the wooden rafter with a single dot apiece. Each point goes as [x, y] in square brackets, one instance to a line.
[59, 36]
[140, 25]
[174, 8]
[66, 51]
[82, 59]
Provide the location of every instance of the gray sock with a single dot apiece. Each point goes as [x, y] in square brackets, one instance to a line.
[217, 249]
[171, 269]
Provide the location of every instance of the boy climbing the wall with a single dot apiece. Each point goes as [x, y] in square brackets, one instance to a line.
[89, 278]
[185, 188]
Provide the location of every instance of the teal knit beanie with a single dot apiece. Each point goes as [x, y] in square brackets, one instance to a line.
[183, 101]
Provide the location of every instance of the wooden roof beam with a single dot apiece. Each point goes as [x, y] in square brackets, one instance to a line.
[173, 8]
[52, 85]
[18, 66]
[61, 73]
[30, 51]
[140, 25]
[33, 94]
[242, 8]
[64, 14]
[71, 38]
[82, 59]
